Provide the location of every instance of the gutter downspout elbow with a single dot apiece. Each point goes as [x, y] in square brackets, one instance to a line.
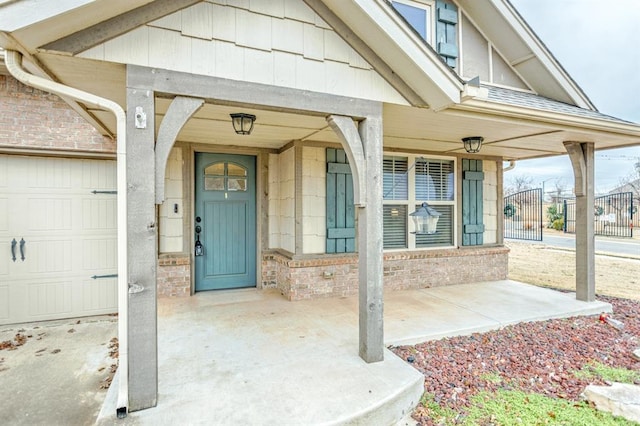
[13, 62]
[511, 166]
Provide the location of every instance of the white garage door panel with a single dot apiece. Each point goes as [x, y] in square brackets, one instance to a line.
[3, 172]
[99, 213]
[4, 302]
[4, 214]
[45, 173]
[5, 258]
[44, 257]
[49, 214]
[100, 255]
[47, 299]
[69, 235]
[99, 176]
[98, 295]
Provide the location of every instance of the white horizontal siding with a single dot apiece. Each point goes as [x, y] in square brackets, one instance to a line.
[288, 36]
[197, 21]
[298, 10]
[224, 23]
[278, 42]
[253, 30]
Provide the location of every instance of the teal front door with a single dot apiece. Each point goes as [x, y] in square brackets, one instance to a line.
[225, 221]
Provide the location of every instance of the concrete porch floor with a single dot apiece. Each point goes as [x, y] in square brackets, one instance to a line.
[251, 357]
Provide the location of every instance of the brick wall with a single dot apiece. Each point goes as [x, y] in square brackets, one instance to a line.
[30, 118]
[174, 275]
[337, 276]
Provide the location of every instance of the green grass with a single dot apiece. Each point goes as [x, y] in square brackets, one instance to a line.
[441, 415]
[494, 378]
[513, 407]
[516, 407]
[604, 372]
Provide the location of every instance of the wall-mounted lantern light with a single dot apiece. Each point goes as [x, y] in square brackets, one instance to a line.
[425, 219]
[243, 123]
[472, 144]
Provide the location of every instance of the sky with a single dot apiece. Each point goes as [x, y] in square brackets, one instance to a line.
[598, 44]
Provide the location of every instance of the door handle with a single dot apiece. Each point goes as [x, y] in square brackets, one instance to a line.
[13, 249]
[22, 243]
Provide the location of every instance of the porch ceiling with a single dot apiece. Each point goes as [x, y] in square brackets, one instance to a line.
[506, 134]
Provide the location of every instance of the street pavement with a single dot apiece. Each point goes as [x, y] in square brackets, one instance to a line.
[618, 246]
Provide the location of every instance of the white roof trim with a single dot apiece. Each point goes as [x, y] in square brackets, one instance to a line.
[544, 55]
[20, 14]
[539, 53]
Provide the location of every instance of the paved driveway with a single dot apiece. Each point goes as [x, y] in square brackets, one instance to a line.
[51, 372]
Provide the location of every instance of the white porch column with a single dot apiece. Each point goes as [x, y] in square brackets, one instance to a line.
[583, 161]
[364, 150]
[142, 250]
[370, 259]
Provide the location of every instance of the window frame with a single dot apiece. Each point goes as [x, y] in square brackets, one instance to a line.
[225, 176]
[428, 6]
[412, 201]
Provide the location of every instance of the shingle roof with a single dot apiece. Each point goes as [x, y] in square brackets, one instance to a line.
[530, 100]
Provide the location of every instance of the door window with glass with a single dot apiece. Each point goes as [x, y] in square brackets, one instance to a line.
[408, 181]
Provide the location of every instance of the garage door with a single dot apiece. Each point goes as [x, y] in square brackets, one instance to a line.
[57, 238]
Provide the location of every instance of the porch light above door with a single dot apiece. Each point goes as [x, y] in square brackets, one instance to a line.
[425, 219]
[243, 123]
[472, 144]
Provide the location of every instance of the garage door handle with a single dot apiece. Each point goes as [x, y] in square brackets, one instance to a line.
[22, 243]
[13, 249]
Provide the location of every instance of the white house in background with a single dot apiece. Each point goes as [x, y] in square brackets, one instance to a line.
[361, 108]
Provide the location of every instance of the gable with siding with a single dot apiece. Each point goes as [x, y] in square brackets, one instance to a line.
[281, 43]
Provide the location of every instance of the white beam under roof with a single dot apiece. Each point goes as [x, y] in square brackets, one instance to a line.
[36, 22]
[20, 14]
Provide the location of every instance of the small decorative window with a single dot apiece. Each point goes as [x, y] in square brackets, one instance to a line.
[418, 15]
[225, 177]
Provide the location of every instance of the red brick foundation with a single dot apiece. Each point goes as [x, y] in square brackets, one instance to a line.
[300, 278]
[174, 275]
[311, 277]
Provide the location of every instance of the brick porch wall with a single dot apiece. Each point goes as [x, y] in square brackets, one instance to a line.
[174, 275]
[337, 276]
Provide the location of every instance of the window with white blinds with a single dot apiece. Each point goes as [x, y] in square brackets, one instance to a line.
[434, 180]
[408, 181]
[395, 226]
[394, 184]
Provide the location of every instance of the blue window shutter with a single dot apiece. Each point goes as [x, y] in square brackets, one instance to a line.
[472, 202]
[446, 33]
[341, 230]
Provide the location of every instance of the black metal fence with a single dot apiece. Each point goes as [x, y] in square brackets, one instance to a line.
[523, 215]
[613, 215]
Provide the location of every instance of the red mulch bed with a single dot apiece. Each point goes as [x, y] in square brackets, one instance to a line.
[537, 357]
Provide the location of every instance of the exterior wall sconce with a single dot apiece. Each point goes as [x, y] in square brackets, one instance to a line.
[243, 123]
[472, 144]
[425, 219]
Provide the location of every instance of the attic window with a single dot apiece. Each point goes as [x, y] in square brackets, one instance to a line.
[418, 15]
